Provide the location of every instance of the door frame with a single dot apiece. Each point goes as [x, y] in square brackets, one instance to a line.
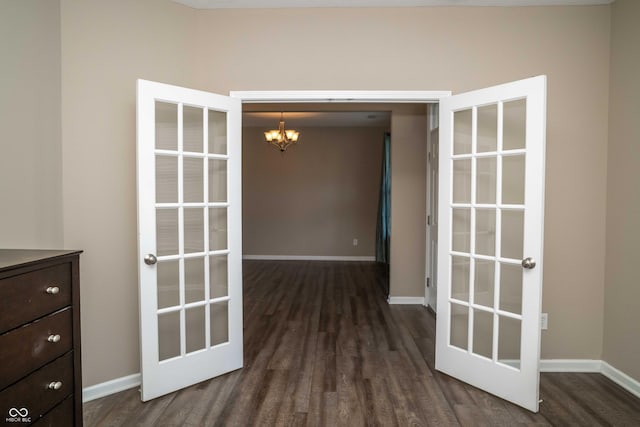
[431, 254]
[346, 96]
[339, 96]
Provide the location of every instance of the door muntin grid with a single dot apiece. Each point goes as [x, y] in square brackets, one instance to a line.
[487, 225]
[191, 229]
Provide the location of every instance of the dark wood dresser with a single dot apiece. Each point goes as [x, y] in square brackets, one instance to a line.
[40, 372]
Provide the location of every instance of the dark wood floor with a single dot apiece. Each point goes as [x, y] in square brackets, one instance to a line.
[322, 347]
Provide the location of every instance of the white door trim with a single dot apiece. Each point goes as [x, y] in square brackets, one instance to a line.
[331, 96]
[344, 96]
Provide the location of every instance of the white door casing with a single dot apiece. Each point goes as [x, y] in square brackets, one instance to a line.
[431, 262]
[491, 206]
[189, 236]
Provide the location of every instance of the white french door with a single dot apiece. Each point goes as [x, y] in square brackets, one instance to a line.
[189, 236]
[491, 196]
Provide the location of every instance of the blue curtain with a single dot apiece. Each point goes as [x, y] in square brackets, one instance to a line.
[383, 229]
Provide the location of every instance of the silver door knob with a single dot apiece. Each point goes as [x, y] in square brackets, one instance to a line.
[529, 263]
[150, 259]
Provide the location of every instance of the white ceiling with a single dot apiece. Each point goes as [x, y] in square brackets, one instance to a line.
[300, 119]
[274, 4]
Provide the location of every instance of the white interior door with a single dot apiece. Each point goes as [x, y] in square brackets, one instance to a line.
[189, 236]
[491, 196]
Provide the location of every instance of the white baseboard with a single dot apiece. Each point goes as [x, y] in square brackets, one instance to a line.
[307, 258]
[406, 300]
[620, 378]
[570, 365]
[110, 387]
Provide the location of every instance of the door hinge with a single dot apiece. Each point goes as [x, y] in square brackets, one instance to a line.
[428, 282]
[428, 219]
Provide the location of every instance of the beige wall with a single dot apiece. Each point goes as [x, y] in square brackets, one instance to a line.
[107, 45]
[30, 138]
[622, 283]
[314, 199]
[408, 202]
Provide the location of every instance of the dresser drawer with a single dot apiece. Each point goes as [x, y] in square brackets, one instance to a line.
[61, 415]
[27, 348]
[24, 297]
[41, 390]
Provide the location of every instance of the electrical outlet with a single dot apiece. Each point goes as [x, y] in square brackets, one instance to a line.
[544, 321]
[355, 242]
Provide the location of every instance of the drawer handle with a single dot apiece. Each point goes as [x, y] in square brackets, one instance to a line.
[55, 385]
[53, 338]
[52, 290]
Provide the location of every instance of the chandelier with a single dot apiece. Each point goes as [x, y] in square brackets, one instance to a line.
[280, 137]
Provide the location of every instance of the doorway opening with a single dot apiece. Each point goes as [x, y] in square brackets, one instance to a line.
[280, 225]
[320, 200]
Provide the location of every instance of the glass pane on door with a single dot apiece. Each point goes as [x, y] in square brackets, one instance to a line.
[217, 180]
[218, 229]
[193, 129]
[486, 232]
[166, 179]
[461, 220]
[195, 329]
[462, 132]
[459, 326]
[166, 232]
[486, 172]
[513, 179]
[462, 181]
[218, 276]
[194, 279]
[193, 179]
[487, 128]
[217, 132]
[460, 278]
[168, 283]
[512, 240]
[219, 323]
[514, 132]
[166, 126]
[511, 288]
[193, 230]
[169, 335]
[483, 333]
[484, 282]
[509, 341]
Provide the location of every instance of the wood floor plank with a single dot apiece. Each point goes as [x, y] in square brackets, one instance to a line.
[322, 347]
